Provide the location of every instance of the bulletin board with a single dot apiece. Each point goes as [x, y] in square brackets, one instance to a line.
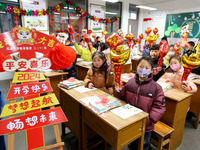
[98, 11]
[174, 23]
[40, 23]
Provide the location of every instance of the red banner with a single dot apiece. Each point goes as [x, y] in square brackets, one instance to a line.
[34, 120]
[28, 89]
[24, 39]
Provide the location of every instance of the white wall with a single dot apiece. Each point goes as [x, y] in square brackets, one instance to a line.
[125, 11]
[6, 75]
[165, 8]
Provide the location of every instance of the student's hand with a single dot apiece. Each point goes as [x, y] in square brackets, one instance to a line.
[185, 87]
[171, 84]
[159, 69]
[90, 85]
[116, 88]
[73, 41]
[197, 77]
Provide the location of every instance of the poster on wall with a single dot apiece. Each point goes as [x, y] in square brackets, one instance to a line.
[174, 23]
[40, 23]
[98, 11]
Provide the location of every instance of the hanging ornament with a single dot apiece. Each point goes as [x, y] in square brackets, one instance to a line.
[50, 21]
[116, 28]
[40, 12]
[83, 23]
[62, 18]
[16, 20]
[70, 18]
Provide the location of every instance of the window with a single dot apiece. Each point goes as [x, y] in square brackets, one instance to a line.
[133, 12]
[7, 21]
[70, 17]
[113, 10]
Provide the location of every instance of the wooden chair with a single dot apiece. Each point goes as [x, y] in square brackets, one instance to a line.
[161, 135]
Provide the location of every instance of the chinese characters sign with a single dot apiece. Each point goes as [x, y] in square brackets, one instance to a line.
[31, 104]
[27, 77]
[23, 64]
[24, 39]
[38, 119]
[28, 89]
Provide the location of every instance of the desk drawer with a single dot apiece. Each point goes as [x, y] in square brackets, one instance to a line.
[101, 127]
[131, 133]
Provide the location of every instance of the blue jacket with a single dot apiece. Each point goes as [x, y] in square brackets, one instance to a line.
[2, 140]
[146, 51]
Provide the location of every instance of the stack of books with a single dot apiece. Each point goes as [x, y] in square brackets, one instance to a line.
[104, 103]
[70, 83]
[165, 86]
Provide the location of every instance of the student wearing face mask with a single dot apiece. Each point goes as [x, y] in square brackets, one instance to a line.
[143, 92]
[173, 76]
[169, 54]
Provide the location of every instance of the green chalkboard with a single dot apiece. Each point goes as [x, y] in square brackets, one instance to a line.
[175, 22]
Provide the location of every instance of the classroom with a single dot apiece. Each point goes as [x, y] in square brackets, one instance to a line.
[99, 74]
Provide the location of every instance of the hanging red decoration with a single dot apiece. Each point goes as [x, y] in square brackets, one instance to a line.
[116, 28]
[62, 18]
[52, 10]
[70, 18]
[16, 20]
[83, 23]
[50, 21]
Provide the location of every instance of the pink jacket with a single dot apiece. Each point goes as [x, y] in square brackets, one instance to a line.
[175, 79]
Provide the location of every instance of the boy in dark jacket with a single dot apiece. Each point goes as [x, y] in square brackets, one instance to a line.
[190, 49]
[144, 93]
[157, 71]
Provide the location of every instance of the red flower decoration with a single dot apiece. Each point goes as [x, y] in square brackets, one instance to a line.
[61, 6]
[23, 12]
[45, 12]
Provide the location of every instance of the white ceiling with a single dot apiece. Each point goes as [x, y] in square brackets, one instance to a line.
[172, 4]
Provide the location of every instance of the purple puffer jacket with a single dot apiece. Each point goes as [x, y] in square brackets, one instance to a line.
[147, 95]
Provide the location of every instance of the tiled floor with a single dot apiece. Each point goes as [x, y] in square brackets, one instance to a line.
[190, 138]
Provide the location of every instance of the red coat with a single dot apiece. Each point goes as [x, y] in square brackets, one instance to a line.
[147, 95]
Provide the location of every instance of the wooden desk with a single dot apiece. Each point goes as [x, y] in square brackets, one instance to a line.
[55, 78]
[82, 70]
[134, 65]
[177, 104]
[126, 68]
[195, 103]
[116, 131]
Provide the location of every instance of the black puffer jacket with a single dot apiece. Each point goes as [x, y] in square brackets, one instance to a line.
[72, 70]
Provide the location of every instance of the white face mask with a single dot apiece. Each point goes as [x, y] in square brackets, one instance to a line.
[171, 53]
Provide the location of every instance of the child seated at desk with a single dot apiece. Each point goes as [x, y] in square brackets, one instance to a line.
[173, 76]
[157, 71]
[85, 52]
[143, 92]
[98, 76]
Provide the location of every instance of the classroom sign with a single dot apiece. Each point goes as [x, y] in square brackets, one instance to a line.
[34, 120]
[24, 40]
[28, 105]
[27, 77]
[11, 65]
[175, 22]
[28, 89]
